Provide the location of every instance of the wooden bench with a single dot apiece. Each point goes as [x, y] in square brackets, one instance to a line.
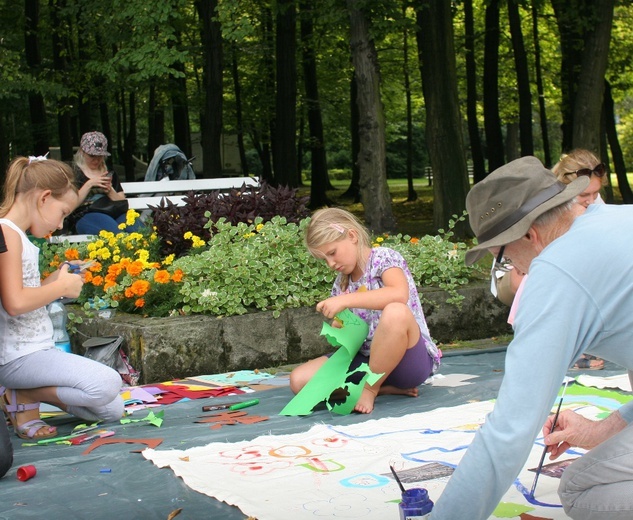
[141, 195]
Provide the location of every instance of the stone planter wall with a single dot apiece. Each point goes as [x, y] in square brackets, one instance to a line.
[170, 348]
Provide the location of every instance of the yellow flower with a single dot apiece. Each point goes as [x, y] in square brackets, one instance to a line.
[380, 239]
[249, 235]
[198, 242]
[169, 259]
[187, 235]
[259, 227]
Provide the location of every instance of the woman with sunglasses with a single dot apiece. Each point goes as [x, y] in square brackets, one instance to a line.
[576, 163]
[582, 162]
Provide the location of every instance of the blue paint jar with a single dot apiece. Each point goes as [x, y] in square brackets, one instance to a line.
[415, 505]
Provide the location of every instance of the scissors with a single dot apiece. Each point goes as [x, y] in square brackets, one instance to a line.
[74, 268]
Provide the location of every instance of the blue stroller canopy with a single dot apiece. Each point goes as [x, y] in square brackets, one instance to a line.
[169, 161]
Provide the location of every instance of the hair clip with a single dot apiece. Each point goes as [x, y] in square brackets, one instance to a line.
[38, 158]
[337, 227]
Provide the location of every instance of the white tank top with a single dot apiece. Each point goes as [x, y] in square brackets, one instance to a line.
[32, 331]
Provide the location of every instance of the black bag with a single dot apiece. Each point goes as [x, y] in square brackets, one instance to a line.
[109, 351]
[113, 208]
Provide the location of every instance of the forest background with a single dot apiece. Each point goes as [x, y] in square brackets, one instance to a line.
[316, 91]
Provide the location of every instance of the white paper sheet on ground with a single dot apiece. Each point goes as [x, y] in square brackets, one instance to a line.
[450, 380]
[343, 471]
[620, 381]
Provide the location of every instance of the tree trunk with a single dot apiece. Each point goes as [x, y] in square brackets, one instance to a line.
[443, 119]
[285, 126]
[268, 74]
[374, 191]
[130, 141]
[492, 119]
[237, 90]
[156, 123]
[316, 143]
[479, 163]
[588, 105]
[523, 80]
[60, 65]
[411, 193]
[539, 87]
[616, 150]
[211, 121]
[353, 191]
[37, 109]
[180, 112]
[571, 17]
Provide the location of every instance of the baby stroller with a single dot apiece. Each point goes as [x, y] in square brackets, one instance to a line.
[169, 163]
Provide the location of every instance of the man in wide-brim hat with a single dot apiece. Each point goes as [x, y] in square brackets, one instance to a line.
[578, 298]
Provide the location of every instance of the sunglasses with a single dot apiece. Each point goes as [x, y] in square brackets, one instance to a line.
[599, 171]
[498, 267]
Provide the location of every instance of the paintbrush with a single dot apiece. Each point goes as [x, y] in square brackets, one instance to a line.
[540, 464]
[395, 475]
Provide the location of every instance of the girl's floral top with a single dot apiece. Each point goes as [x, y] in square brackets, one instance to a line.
[381, 259]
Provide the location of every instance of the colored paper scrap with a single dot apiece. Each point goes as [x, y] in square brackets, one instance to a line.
[150, 443]
[335, 371]
[155, 419]
[239, 377]
[510, 510]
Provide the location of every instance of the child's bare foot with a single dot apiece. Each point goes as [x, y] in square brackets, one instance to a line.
[394, 390]
[365, 403]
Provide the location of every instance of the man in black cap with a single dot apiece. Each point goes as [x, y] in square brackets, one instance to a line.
[578, 298]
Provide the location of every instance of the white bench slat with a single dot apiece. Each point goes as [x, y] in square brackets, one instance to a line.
[152, 192]
[184, 186]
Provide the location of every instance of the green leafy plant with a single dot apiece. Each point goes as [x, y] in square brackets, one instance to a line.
[243, 267]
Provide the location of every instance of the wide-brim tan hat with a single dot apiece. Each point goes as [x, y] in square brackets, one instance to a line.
[502, 207]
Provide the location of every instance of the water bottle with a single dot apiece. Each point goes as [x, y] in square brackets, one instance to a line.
[415, 505]
[59, 316]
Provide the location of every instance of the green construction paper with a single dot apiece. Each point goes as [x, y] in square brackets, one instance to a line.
[155, 419]
[355, 390]
[510, 510]
[332, 375]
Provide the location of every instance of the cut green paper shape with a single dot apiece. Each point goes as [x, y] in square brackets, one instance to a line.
[333, 374]
[155, 419]
[510, 510]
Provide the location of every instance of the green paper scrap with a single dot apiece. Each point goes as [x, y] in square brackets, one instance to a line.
[510, 510]
[332, 375]
[155, 419]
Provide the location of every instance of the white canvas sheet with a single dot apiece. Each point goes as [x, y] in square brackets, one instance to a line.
[343, 471]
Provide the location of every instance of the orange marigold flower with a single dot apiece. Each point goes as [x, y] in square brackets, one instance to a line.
[108, 284]
[414, 240]
[177, 276]
[139, 303]
[96, 267]
[71, 254]
[135, 268]
[115, 270]
[161, 276]
[129, 293]
[88, 277]
[97, 281]
[140, 287]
